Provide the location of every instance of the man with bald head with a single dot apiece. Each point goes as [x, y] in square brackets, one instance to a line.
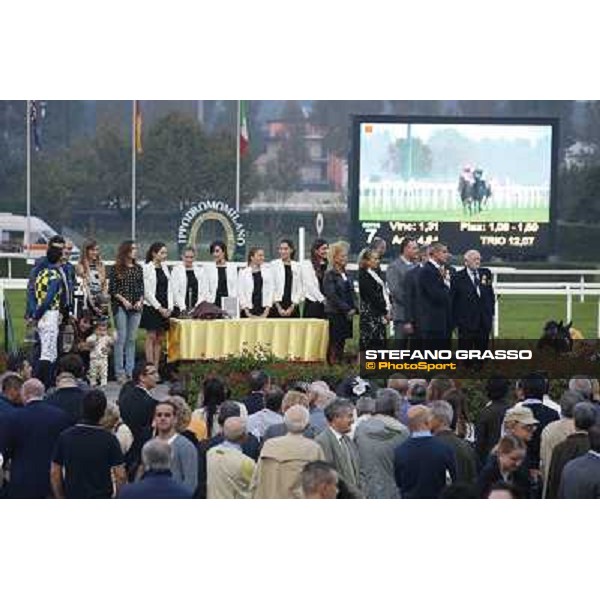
[422, 464]
[228, 470]
[473, 303]
[28, 441]
[278, 472]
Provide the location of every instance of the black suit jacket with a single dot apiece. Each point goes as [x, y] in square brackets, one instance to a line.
[371, 293]
[254, 402]
[411, 297]
[435, 302]
[470, 311]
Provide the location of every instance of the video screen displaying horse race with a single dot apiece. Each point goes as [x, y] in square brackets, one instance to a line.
[488, 184]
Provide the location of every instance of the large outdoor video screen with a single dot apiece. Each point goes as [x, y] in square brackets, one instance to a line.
[484, 184]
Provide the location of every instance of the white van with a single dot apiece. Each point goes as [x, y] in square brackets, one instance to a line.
[12, 236]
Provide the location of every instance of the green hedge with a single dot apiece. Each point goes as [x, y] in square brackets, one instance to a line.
[234, 372]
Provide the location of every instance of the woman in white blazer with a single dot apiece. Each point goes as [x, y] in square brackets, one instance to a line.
[187, 282]
[287, 279]
[313, 271]
[158, 301]
[255, 286]
[220, 279]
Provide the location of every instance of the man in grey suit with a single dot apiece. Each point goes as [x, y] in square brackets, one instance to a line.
[396, 273]
[340, 451]
[581, 476]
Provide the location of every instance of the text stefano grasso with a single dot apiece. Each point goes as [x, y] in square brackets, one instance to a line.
[448, 355]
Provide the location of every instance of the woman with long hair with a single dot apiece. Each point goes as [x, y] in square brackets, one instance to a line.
[461, 422]
[214, 393]
[287, 280]
[158, 301]
[126, 290]
[255, 286]
[90, 269]
[374, 302]
[219, 278]
[313, 274]
[339, 302]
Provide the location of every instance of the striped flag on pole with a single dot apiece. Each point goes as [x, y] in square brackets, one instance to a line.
[244, 135]
[138, 127]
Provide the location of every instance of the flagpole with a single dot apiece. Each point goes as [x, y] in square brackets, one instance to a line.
[238, 158]
[133, 169]
[28, 146]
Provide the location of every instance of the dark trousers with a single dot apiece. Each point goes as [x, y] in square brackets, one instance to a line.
[436, 340]
[473, 340]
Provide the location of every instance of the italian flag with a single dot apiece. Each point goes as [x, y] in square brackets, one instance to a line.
[244, 135]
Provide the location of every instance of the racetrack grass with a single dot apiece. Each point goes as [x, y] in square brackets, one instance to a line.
[521, 317]
[489, 215]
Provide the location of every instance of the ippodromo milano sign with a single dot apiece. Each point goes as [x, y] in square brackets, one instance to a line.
[212, 210]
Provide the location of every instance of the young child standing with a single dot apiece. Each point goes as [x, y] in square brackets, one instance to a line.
[100, 343]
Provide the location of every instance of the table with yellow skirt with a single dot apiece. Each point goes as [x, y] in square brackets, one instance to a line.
[303, 340]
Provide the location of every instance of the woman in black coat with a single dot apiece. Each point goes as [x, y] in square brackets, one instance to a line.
[339, 302]
[507, 463]
[374, 302]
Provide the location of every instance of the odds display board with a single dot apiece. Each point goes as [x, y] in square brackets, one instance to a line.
[233, 232]
[471, 183]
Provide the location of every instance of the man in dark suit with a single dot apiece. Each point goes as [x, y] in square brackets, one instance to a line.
[423, 464]
[259, 386]
[340, 451]
[157, 481]
[29, 440]
[137, 411]
[473, 303]
[581, 476]
[412, 302]
[435, 299]
[396, 280]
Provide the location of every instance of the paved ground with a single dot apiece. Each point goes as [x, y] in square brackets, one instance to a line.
[113, 388]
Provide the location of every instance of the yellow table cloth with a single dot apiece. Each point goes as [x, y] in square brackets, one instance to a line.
[289, 339]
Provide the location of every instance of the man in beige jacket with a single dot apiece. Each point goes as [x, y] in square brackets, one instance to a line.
[228, 470]
[279, 468]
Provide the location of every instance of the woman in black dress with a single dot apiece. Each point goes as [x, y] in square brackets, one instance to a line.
[313, 273]
[220, 278]
[339, 302]
[374, 302]
[255, 286]
[287, 280]
[158, 301]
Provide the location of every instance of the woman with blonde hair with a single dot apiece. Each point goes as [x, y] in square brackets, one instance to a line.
[507, 463]
[375, 304]
[340, 307]
[92, 273]
[111, 421]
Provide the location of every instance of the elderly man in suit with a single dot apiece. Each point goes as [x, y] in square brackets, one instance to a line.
[473, 303]
[396, 279]
[581, 476]
[339, 449]
[435, 299]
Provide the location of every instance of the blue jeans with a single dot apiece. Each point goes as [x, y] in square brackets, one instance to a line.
[127, 323]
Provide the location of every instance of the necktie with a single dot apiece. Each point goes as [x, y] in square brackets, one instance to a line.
[345, 444]
[476, 281]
